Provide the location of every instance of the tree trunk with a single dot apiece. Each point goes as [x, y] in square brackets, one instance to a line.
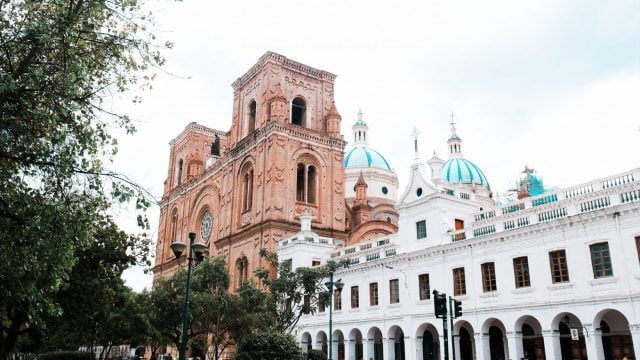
[9, 342]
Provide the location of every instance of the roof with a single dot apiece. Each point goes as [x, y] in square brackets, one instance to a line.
[365, 156]
[458, 170]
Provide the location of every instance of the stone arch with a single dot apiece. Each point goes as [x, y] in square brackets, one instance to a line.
[306, 343]
[252, 109]
[338, 346]
[427, 342]
[464, 341]
[308, 173]
[375, 347]
[300, 111]
[322, 342]
[356, 343]
[497, 339]
[241, 270]
[564, 324]
[530, 342]
[612, 328]
[396, 349]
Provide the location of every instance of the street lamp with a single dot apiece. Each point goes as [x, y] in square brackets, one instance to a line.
[198, 250]
[338, 285]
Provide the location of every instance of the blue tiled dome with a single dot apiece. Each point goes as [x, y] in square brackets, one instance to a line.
[459, 170]
[364, 156]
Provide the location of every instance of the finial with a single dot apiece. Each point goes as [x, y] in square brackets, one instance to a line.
[414, 134]
[453, 125]
[360, 114]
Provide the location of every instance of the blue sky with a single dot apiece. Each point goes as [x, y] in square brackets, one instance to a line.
[551, 84]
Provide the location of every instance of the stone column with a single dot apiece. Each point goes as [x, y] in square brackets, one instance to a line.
[482, 346]
[514, 340]
[367, 349]
[593, 342]
[635, 337]
[349, 349]
[334, 349]
[417, 341]
[389, 349]
[408, 347]
[551, 344]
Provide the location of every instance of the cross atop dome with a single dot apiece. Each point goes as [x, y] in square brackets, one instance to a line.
[453, 128]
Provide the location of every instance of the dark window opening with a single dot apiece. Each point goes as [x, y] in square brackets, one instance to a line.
[306, 183]
[251, 121]
[298, 112]
[421, 229]
[459, 282]
[180, 163]
[215, 146]
[385, 190]
[423, 283]
[394, 291]
[521, 272]
[559, 268]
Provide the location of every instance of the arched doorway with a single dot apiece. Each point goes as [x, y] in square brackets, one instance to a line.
[375, 349]
[397, 352]
[306, 342]
[496, 343]
[338, 345]
[616, 337]
[428, 344]
[321, 341]
[532, 341]
[355, 338]
[466, 348]
[571, 349]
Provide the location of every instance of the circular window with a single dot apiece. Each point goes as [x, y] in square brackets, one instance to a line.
[385, 190]
[419, 192]
[205, 226]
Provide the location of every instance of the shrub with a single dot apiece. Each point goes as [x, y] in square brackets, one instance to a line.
[315, 354]
[268, 345]
[67, 355]
[21, 356]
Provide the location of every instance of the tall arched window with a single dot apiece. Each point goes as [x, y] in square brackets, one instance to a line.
[242, 270]
[251, 119]
[247, 190]
[180, 164]
[299, 112]
[306, 183]
[215, 146]
[174, 226]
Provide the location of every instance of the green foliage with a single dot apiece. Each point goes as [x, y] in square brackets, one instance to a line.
[217, 318]
[67, 355]
[59, 61]
[22, 356]
[315, 354]
[294, 292]
[268, 345]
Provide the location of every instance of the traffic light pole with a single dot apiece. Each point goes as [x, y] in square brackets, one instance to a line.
[440, 304]
[453, 337]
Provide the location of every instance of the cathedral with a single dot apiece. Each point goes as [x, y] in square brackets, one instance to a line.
[244, 189]
[540, 273]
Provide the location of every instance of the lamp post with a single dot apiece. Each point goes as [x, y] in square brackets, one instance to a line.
[338, 285]
[200, 251]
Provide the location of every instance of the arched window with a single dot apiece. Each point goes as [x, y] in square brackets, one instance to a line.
[298, 112]
[306, 183]
[242, 270]
[174, 226]
[251, 119]
[180, 163]
[215, 146]
[247, 190]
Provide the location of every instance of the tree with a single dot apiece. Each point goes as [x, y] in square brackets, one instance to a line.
[97, 308]
[293, 292]
[59, 61]
[269, 344]
[217, 318]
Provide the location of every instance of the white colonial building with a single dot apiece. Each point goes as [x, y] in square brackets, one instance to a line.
[550, 276]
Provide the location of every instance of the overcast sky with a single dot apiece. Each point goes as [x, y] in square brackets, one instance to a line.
[551, 84]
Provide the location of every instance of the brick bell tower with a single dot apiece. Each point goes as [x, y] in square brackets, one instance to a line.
[245, 189]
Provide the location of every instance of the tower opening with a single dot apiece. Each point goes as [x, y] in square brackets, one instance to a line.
[298, 112]
[251, 121]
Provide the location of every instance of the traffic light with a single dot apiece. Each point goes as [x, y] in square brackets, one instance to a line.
[440, 304]
[457, 308]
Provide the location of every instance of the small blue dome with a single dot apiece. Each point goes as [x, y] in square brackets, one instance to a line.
[459, 170]
[364, 156]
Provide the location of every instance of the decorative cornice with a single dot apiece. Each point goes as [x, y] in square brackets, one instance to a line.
[195, 127]
[285, 62]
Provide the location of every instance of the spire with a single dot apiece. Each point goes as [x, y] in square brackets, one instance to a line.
[360, 129]
[361, 180]
[333, 111]
[414, 134]
[454, 142]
